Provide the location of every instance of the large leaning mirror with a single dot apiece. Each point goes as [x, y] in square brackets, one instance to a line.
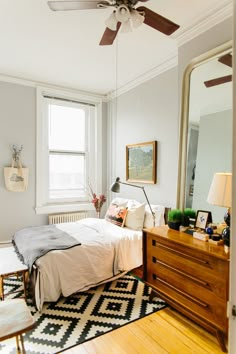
[206, 128]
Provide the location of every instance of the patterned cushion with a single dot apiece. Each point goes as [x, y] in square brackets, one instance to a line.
[116, 214]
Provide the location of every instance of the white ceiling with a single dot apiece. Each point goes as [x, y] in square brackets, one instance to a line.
[62, 48]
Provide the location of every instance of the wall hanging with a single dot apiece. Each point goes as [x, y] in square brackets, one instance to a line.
[16, 176]
[141, 160]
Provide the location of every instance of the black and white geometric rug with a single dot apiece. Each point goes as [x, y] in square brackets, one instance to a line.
[83, 316]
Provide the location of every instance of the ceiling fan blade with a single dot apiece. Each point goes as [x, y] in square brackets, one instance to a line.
[72, 5]
[226, 59]
[218, 81]
[109, 35]
[157, 21]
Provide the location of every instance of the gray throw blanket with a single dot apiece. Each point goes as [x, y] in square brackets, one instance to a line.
[34, 242]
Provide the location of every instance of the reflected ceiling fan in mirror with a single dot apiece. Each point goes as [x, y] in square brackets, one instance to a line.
[226, 60]
[125, 16]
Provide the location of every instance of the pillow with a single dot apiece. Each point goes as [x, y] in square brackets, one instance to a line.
[133, 202]
[135, 216]
[116, 214]
[159, 211]
[120, 202]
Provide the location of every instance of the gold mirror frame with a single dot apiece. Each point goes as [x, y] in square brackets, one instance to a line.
[184, 118]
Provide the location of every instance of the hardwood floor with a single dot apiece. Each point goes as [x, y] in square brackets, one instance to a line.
[163, 332]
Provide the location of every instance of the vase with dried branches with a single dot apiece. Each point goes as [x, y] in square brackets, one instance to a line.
[98, 200]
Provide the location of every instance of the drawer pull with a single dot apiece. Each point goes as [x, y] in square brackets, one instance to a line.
[191, 298]
[181, 254]
[183, 274]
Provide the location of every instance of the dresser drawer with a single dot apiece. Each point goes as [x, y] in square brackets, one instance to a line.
[190, 284]
[212, 312]
[196, 267]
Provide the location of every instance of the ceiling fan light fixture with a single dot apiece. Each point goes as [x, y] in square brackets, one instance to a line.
[122, 14]
[137, 18]
[111, 22]
[126, 27]
[125, 15]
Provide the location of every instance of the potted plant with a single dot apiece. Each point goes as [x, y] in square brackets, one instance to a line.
[174, 218]
[188, 215]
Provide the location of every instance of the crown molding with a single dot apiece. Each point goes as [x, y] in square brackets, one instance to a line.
[211, 19]
[17, 80]
[169, 63]
[35, 84]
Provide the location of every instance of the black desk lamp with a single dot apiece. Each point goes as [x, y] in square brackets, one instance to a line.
[115, 187]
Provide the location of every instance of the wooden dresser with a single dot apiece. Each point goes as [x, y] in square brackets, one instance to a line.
[191, 275]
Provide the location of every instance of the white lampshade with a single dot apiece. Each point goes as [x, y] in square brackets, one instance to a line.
[111, 22]
[126, 27]
[220, 190]
[122, 13]
[137, 18]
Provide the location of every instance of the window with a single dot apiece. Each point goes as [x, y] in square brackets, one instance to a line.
[67, 141]
[67, 151]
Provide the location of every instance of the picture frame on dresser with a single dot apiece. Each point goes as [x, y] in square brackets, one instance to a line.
[141, 162]
[202, 219]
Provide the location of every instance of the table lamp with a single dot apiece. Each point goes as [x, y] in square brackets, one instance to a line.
[220, 195]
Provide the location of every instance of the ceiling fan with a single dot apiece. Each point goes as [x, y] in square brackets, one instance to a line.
[124, 17]
[226, 60]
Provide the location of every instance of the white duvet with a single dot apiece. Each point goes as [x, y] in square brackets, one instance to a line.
[106, 251]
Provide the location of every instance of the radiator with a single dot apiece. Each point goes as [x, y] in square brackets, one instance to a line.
[66, 217]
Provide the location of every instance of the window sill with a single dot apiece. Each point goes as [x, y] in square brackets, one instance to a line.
[63, 208]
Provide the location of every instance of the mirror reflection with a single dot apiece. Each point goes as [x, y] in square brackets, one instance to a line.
[209, 140]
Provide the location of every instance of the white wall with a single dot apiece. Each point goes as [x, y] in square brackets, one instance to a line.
[146, 113]
[18, 126]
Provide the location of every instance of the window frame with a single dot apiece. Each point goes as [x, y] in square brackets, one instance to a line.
[43, 205]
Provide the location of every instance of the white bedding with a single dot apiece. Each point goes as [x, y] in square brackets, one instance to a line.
[106, 251]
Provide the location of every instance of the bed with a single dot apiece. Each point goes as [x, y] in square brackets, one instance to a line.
[104, 252]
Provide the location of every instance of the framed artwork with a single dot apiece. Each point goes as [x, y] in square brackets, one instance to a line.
[203, 218]
[141, 162]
